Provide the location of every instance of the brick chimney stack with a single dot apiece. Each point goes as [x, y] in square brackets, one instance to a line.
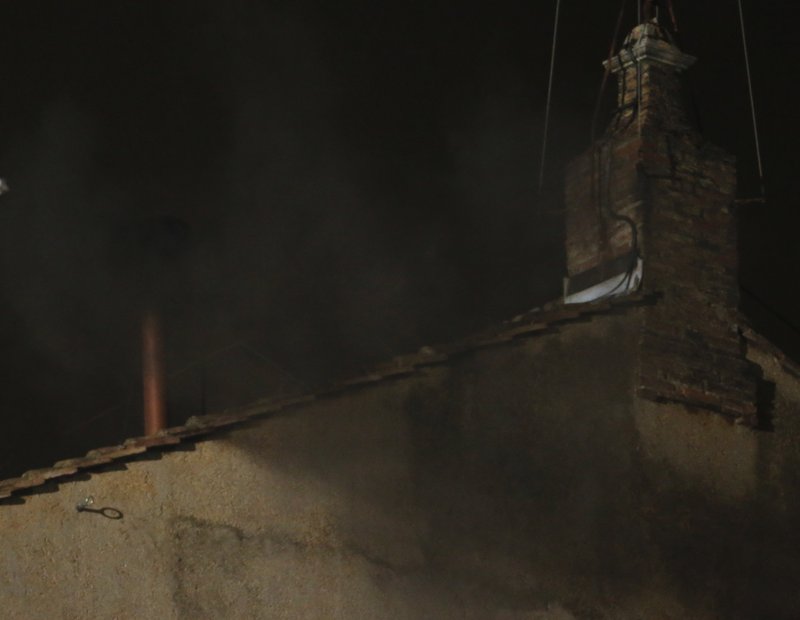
[649, 206]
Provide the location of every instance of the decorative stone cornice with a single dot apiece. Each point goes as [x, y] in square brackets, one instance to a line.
[649, 42]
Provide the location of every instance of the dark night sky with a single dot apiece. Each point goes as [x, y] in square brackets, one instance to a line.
[358, 179]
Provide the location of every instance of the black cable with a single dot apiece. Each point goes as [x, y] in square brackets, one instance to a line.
[607, 71]
[549, 98]
[752, 100]
[620, 218]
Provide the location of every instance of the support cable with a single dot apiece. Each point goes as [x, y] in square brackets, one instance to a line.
[198, 362]
[672, 17]
[752, 99]
[603, 197]
[611, 49]
[549, 97]
[639, 73]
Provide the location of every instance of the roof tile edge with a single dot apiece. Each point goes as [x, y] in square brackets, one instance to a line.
[531, 323]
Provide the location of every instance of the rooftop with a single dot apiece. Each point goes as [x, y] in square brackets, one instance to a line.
[546, 320]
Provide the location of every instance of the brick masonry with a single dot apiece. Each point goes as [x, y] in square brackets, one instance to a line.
[654, 168]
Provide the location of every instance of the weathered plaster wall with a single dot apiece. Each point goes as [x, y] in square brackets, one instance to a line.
[520, 482]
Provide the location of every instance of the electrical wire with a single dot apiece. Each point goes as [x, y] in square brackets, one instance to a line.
[672, 17]
[625, 282]
[611, 48]
[255, 352]
[549, 97]
[752, 98]
[200, 362]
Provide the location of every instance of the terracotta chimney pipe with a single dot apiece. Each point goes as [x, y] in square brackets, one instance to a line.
[154, 387]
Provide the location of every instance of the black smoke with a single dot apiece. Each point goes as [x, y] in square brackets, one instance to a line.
[309, 187]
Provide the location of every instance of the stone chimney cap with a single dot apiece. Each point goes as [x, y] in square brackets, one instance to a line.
[649, 42]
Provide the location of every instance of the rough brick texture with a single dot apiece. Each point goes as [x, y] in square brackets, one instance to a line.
[652, 166]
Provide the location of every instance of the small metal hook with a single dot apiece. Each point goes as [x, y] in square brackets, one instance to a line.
[108, 513]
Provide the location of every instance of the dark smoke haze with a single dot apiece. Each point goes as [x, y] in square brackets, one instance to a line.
[306, 187]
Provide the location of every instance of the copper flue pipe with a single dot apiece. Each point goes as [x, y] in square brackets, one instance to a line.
[153, 379]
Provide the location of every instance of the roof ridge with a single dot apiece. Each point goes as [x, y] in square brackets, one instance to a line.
[536, 321]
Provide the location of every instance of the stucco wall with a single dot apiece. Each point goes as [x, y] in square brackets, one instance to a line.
[520, 482]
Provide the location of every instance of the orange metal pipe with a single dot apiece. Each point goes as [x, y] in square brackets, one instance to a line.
[153, 376]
